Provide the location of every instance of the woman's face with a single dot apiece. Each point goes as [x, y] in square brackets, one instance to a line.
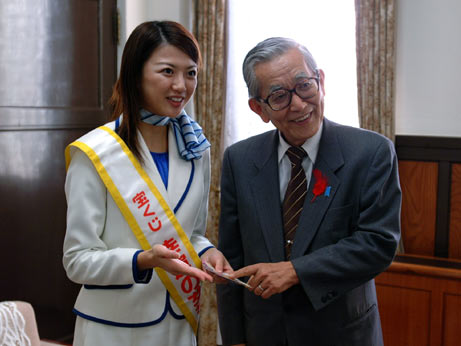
[169, 78]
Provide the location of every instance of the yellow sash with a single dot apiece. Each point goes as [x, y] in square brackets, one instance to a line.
[145, 210]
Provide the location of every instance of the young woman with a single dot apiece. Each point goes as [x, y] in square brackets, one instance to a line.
[137, 193]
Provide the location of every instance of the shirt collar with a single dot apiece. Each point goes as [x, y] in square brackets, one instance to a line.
[311, 145]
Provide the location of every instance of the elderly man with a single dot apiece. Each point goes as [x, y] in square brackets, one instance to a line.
[310, 212]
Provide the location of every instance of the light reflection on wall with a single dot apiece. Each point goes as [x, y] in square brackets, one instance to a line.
[38, 63]
[18, 165]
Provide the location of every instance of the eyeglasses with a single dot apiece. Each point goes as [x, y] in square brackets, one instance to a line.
[281, 99]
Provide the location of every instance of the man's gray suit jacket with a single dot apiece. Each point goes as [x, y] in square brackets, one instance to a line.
[344, 239]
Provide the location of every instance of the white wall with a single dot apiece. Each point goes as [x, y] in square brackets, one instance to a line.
[134, 12]
[428, 73]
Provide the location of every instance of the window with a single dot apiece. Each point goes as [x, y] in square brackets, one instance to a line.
[326, 28]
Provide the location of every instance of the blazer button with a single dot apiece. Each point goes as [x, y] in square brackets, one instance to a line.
[324, 299]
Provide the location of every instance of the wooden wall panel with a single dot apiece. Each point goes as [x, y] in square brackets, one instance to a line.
[455, 212]
[419, 201]
[452, 319]
[420, 304]
[406, 312]
[430, 176]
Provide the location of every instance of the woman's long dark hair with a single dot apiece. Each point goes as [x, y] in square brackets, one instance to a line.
[127, 96]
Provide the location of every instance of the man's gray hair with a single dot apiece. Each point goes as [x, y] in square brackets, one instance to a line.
[266, 51]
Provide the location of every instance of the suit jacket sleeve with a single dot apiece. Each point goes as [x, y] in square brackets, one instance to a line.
[87, 259]
[230, 297]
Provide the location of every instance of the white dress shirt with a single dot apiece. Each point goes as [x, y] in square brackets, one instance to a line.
[311, 146]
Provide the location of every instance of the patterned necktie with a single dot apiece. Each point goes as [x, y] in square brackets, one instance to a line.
[294, 196]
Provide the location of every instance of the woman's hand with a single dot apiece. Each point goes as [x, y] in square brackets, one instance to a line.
[160, 256]
[216, 259]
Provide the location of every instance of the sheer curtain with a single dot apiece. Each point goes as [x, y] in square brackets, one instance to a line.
[326, 28]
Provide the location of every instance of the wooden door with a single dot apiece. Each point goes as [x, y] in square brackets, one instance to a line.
[57, 68]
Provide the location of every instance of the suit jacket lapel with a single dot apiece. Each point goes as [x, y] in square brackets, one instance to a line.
[266, 195]
[329, 160]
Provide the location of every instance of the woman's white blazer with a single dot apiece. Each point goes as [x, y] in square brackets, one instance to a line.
[99, 246]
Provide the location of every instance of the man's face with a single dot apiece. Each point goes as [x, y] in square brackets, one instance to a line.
[302, 118]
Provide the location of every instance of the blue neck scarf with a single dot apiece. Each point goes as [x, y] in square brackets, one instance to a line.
[189, 135]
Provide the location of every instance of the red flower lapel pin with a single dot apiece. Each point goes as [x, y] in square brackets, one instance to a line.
[320, 185]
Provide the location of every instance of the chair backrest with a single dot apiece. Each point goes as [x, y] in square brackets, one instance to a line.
[18, 324]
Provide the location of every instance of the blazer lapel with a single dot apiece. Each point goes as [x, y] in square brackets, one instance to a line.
[266, 195]
[179, 171]
[329, 160]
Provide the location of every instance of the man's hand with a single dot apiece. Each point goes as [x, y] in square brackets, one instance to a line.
[216, 259]
[267, 279]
